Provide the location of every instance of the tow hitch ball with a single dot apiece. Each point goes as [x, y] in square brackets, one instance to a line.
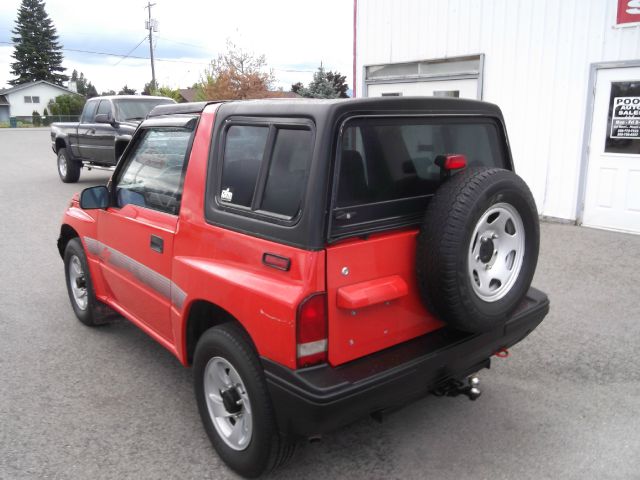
[453, 388]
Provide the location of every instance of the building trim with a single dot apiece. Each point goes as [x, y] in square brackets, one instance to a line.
[588, 123]
[479, 75]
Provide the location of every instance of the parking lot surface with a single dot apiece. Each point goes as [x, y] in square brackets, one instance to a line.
[109, 402]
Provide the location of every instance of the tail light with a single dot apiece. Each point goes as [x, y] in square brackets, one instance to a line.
[451, 161]
[311, 331]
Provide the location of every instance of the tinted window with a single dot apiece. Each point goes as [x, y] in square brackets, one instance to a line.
[130, 109]
[389, 159]
[243, 151]
[105, 107]
[287, 170]
[153, 174]
[89, 112]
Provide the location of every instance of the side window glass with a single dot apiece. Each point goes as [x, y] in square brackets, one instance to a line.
[89, 112]
[243, 152]
[286, 178]
[105, 107]
[154, 171]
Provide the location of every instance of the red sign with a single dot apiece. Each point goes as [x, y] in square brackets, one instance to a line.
[628, 11]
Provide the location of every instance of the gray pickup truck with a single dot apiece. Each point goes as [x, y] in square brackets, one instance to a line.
[99, 138]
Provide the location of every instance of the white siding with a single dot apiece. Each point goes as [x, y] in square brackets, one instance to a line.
[537, 59]
[46, 92]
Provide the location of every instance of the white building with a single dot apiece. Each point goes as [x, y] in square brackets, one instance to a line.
[566, 74]
[23, 99]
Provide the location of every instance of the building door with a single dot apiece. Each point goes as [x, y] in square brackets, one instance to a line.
[612, 195]
[461, 88]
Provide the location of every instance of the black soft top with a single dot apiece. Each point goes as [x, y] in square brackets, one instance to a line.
[323, 109]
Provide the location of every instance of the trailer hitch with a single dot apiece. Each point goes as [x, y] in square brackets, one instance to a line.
[453, 388]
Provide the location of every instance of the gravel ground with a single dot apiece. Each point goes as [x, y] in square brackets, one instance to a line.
[85, 403]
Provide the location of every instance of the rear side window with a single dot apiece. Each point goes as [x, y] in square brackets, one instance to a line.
[264, 168]
[387, 166]
[243, 152]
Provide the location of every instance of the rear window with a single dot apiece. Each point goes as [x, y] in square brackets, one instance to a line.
[387, 165]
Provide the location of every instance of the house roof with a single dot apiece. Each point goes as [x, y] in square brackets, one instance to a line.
[21, 86]
[189, 94]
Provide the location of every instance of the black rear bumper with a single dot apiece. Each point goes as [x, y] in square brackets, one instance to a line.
[319, 399]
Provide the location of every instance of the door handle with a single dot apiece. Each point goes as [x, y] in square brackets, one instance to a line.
[157, 244]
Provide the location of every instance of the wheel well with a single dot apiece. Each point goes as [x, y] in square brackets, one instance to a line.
[66, 234]
[204, 315]
[60, 144]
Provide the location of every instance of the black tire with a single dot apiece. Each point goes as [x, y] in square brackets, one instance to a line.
[267, 449]
[445, 253]
[68, 169]
[94, 313]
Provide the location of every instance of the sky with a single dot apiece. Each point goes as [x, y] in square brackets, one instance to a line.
[294, 35]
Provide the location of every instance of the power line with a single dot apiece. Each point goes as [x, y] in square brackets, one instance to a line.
[130, 51]
[170, 60]
[92, 52]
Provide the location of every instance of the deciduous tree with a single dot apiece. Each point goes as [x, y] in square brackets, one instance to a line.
[235, 74]
[37, 53]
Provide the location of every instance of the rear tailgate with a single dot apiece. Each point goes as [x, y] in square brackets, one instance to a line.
[372, 293]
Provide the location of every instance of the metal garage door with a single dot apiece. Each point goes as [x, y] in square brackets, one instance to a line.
[612, 197]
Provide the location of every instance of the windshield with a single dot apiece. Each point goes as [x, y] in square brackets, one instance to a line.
[129, 109]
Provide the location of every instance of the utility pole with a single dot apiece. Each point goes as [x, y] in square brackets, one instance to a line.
[152, 26]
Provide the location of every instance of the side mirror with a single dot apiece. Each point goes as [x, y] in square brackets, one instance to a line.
[94, 197]
[104, 118]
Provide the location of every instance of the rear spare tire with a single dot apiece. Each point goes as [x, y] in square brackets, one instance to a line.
[478, 248]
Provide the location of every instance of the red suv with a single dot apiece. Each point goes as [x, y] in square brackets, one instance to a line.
[313, 261]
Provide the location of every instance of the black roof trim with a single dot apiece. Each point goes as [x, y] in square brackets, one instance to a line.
[177, 108]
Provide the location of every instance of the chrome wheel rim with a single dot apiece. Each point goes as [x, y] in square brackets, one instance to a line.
[62, 165]
[496, 252]
[228, 403]
[77, 282]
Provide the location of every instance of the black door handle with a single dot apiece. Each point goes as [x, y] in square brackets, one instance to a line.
[157, 244]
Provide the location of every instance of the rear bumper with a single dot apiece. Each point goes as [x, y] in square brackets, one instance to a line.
[319, 399]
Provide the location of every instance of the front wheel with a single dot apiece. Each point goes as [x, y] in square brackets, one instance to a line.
[69, 170]
[234, 403]
[86, 306]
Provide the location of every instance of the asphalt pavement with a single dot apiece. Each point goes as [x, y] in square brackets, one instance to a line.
[78, 403]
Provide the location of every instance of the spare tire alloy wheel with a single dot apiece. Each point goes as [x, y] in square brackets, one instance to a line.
[496, 252]
[478, 248]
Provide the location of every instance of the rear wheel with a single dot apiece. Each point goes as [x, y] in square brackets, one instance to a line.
[234, 403]
[478, 248]
[69, 170]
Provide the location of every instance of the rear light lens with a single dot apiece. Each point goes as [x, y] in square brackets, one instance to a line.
[451, 161]
[311, 331]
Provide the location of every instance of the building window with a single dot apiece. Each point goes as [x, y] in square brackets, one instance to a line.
[35, 99]
[30, 99]
[27, 99]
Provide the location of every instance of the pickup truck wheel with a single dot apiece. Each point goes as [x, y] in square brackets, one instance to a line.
[234, 403]
[478, 248]
[87, 308]
[69, 170]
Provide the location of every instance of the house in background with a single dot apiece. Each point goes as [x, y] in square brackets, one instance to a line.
[23, 99]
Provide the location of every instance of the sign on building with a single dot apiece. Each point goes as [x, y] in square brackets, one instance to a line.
[628, 12]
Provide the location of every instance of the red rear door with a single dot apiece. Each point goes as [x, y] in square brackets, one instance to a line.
[387, 172]
[373, 301]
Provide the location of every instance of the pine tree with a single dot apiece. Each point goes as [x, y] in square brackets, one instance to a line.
[320, 87]
[37, 52]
